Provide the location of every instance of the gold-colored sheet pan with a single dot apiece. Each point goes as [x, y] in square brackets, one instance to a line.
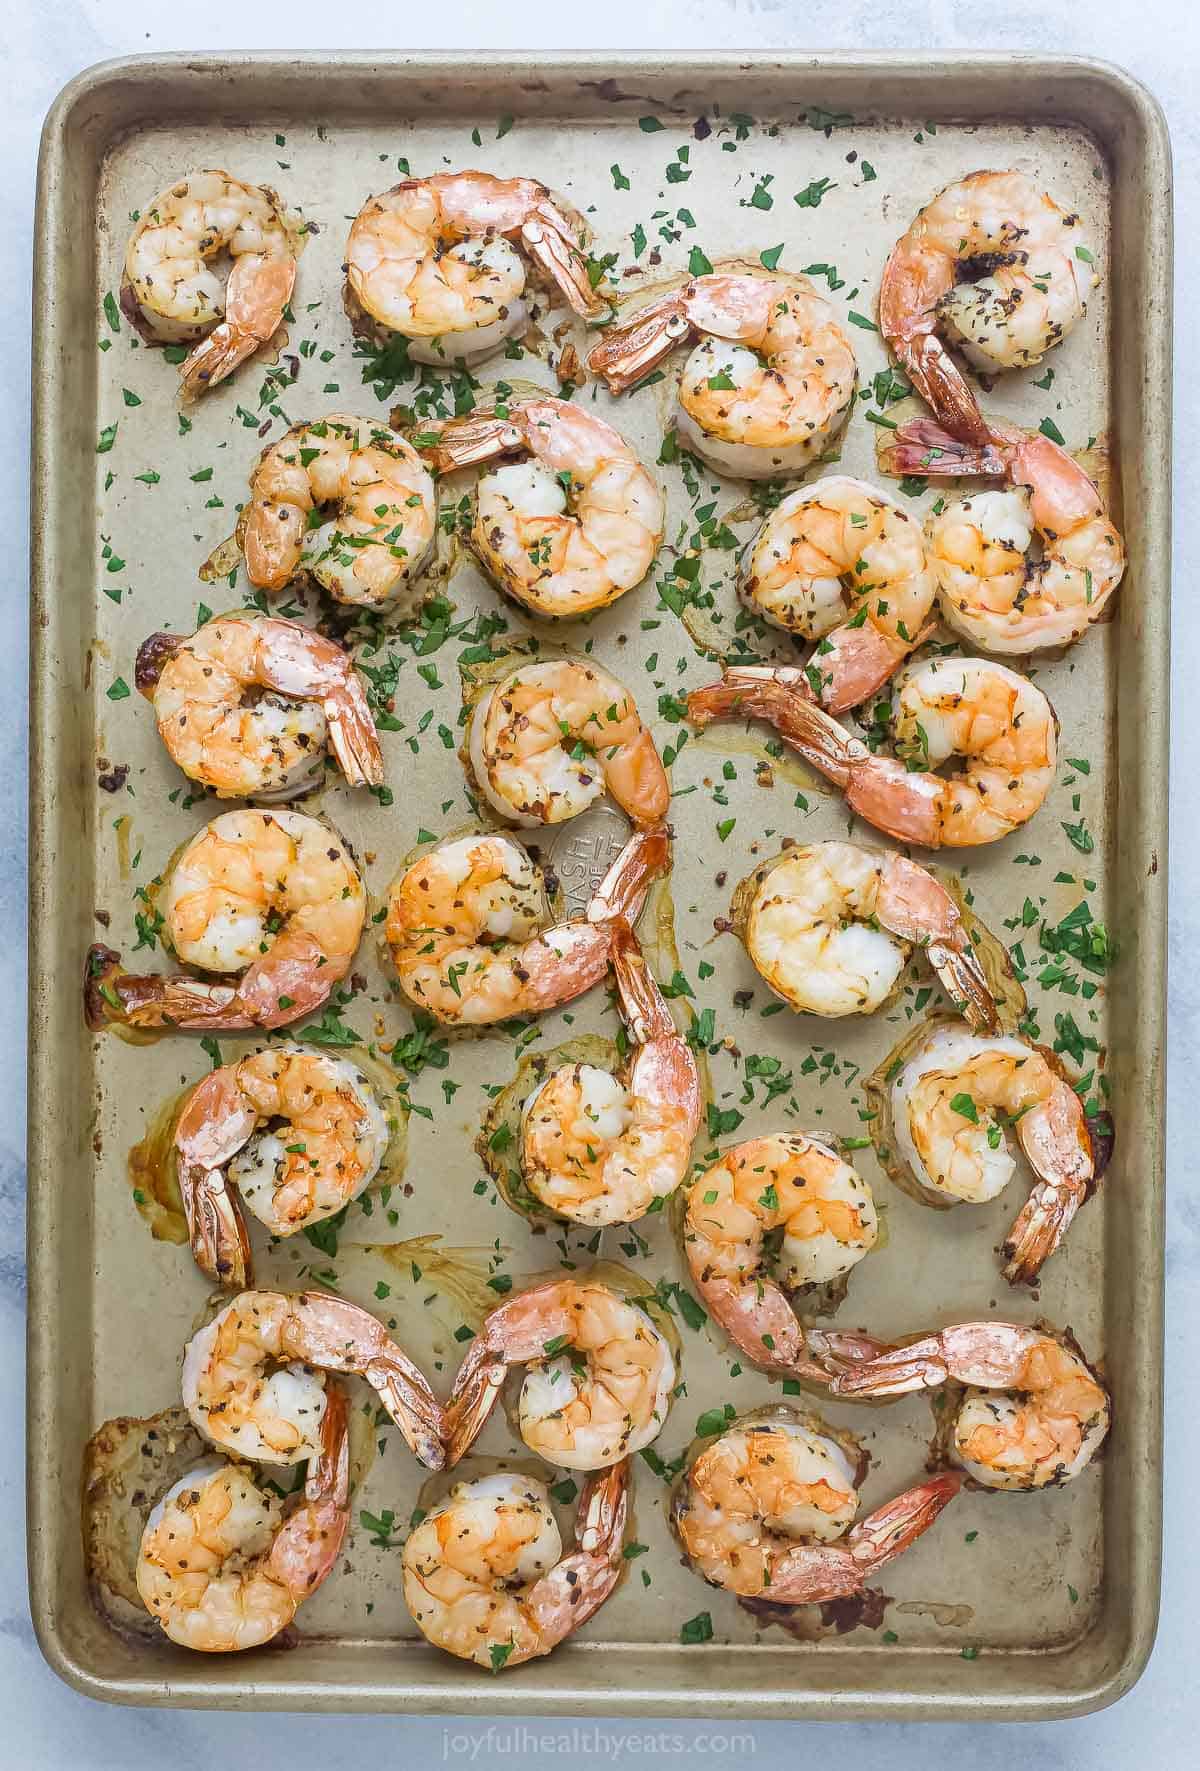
[1018, 1606]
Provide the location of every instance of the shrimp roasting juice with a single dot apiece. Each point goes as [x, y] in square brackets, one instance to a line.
[650, 665]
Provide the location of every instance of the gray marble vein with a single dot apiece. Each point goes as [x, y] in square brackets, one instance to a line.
[46, 1725]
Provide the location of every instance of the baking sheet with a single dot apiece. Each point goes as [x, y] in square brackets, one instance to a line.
[1013, 1605]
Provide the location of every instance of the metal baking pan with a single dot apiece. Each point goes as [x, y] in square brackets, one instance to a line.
[1017, 1607]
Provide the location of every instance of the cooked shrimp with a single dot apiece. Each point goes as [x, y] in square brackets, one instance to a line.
[247, 706]
[768, 386]
[274, 896]
[222, 1567]
[761, 1510]
[998, 722]
[951, 1101]
[1001, 269]
[572, 526]
[602, 1149]
[345, 500]
[254, 1378]
[830, 927]
[839, 562]
[485, 1576]
[436, 260]
[293, 1133]
[468, 925]
[790, 1182]
[1034, 1413]
[1024, 568]
[172, 290]
[599, 1382]
[552, 737]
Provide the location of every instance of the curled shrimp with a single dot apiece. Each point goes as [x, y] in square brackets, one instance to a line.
[247, 706]
[1034, 1413]
[840, 563]
[951, 1097]
[469, 929]
[223, 1567]
[254, 1378]
[272, 895]
[768, 386]
[1023, 568]
[436, 260]
[345, 501]
[830, 927]
[1000, 723]
[603, 1149]
[292, 1133]
[172, 290]
[549, 738]
[763, 1511]
[790, 1182]
[570, 527]
[599, 1380]
[1001, 269]
[485, 1576]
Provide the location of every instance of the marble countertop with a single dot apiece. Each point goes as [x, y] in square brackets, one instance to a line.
[47, 1725]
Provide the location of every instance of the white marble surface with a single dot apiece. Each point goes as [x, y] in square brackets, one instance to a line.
[44, 1724]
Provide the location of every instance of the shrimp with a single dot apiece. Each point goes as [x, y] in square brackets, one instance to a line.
[345, 500]
[254, 1378]
[763, 1511]
[272, 895]
[840, 563]
[293, 1133]
[247, 706]
[998, 722]
[172, 292]
[468, 925]
[436, 260]
[603, 1149]
[768, 386]
[789, 1181]
[1034, 1413]
[1023, 568]
[950, 1102]
[222, 1567]
[548, 739]
[999, 267]
[570, 527]
[485, 1576]
[830, 927]
[600, 1376]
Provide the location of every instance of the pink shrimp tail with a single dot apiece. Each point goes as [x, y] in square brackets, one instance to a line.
[922, 446]
[353, 736]
[893, 1370]
[113, 996]
[631, 348]
[643, 1006]
[1040, 1226]
[547, 238]
[575, 1588]
[310, 1541]
[402, 1388]
[465, 442]
[890, 1529]
[1058, 1145]
[290, 981]
[622, 891]
[256, 294]
[217, 1231]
